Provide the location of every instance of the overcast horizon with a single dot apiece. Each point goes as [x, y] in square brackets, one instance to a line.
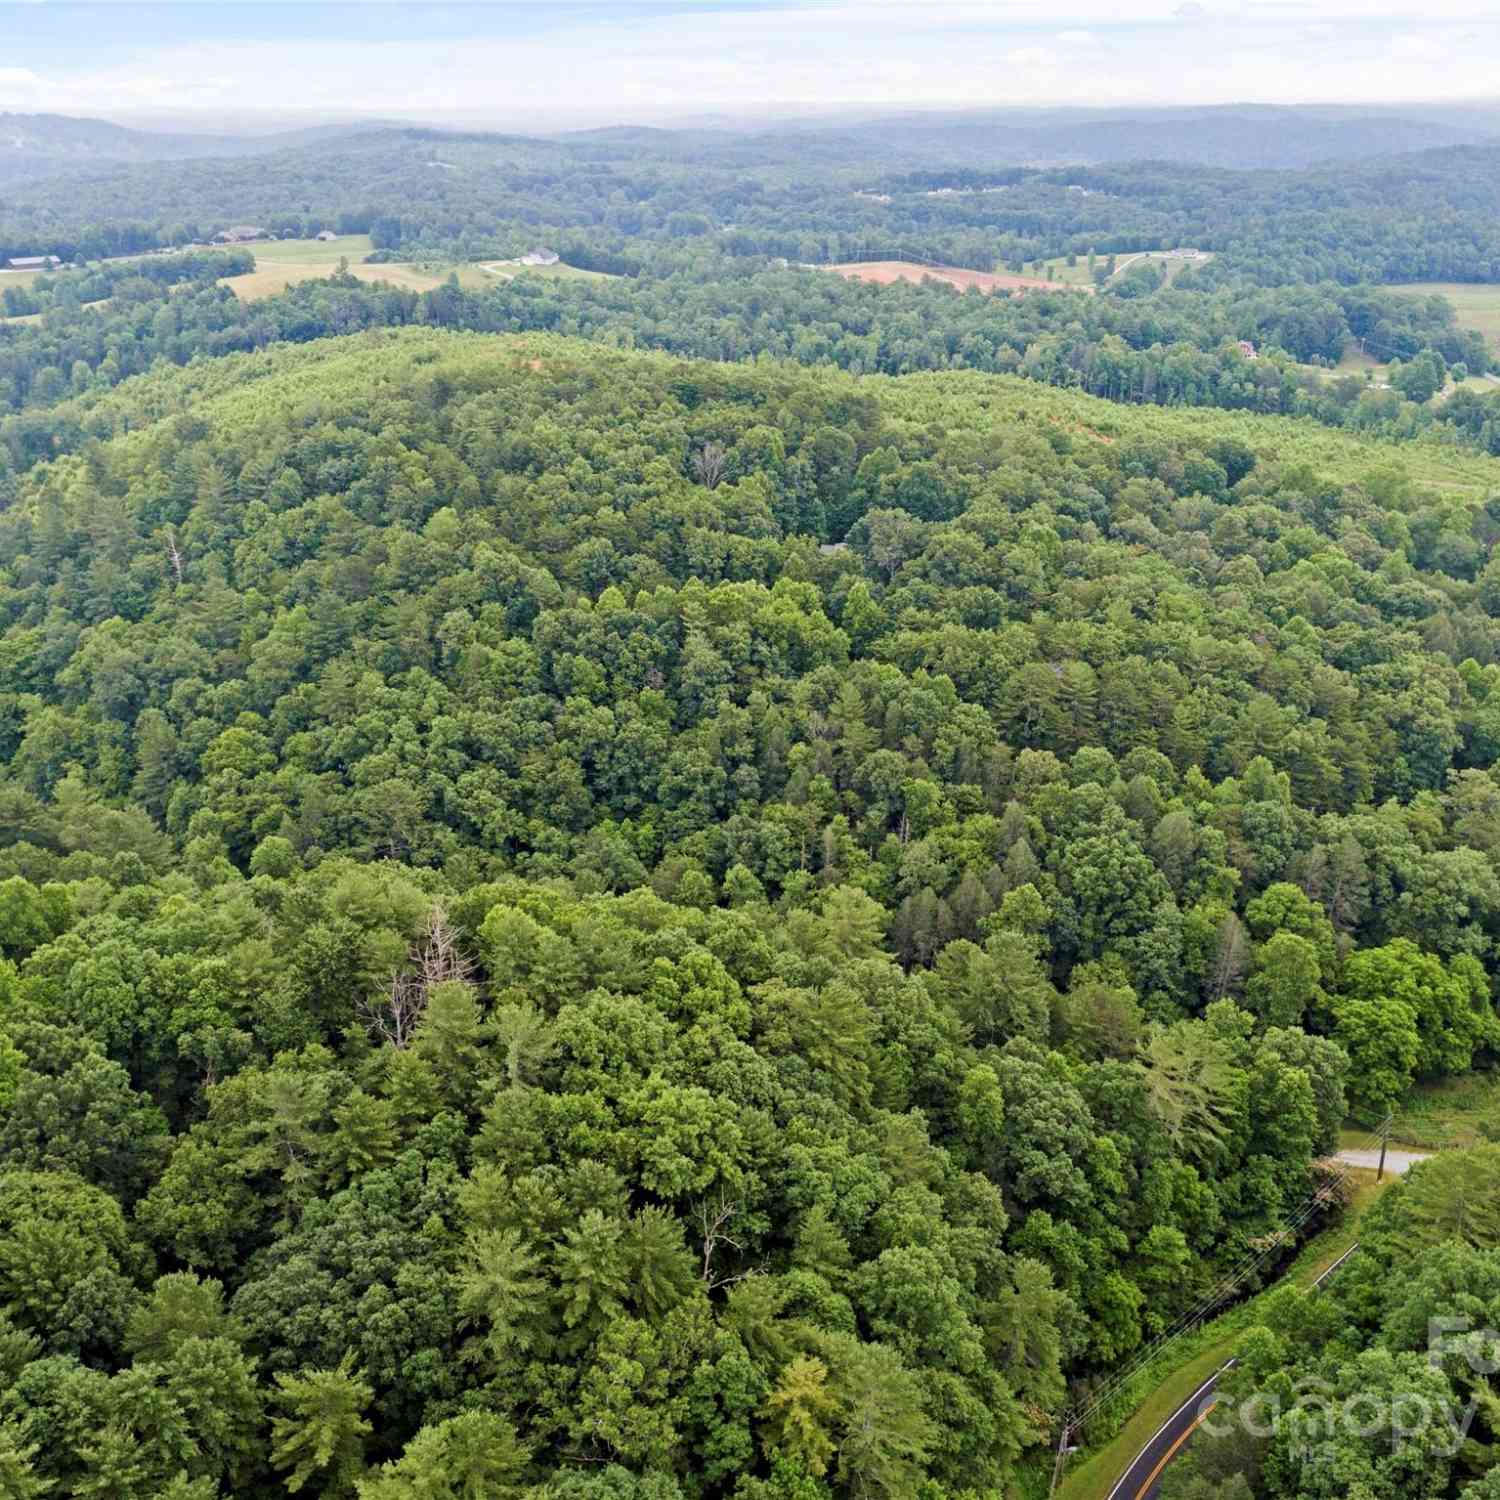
[579, 63]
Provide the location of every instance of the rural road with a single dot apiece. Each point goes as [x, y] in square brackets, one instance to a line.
[1396, 1162]
[1143, 1478]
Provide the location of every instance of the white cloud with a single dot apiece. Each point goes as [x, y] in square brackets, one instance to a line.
[1413, 48]
[953, 53]
[1031, 57]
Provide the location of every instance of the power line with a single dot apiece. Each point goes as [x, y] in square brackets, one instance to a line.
[1221, 1293]
[1225, 1288]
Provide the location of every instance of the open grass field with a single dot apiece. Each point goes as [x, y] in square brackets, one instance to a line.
[17, 278]
[887, 271]
[506, 270]
[1172, 265]
[1079, 275]
[282, 263]
[325, 253]
[1060, 271]
[1357, 362]
[1476, 303]
[267, 281]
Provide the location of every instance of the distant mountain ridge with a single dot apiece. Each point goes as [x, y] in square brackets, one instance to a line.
[1244, 136]
[43, 144]
[1234, 135]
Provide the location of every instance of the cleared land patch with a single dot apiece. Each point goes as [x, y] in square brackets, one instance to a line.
[1476, 303]
[887, 271]
[327, 253]
[267, 281]
[282, 263]
[1455, 1113]
[507, 270]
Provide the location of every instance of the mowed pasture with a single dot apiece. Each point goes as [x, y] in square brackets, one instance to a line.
[282, 263]
[884, 272]
[1172, 265]
[1476, 303]
[508, 270]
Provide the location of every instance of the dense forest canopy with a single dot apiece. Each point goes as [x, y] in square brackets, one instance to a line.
[720, 883]
[525, 965]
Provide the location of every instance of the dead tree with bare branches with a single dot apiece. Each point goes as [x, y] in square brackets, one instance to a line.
[713, 1221]
[393, 1014]
[709, 463]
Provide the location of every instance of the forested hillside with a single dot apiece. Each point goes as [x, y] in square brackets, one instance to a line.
[586, 924]
[84, 331]
[46, 145]
[1428, 215]
[718, 243]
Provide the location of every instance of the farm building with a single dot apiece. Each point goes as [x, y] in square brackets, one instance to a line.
[539, 257]
[237, 233]
[327, 234]
[32, 262]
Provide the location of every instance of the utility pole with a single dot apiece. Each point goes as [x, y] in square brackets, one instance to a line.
[1385, 1140]
[1062, 1455]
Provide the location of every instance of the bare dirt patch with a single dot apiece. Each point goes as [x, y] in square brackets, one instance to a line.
[884, 272]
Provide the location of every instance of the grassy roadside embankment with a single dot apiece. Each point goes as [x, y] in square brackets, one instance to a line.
[1446, 1115]
[1162, 1385]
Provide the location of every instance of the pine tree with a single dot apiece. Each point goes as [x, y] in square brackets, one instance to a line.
[324, 1430]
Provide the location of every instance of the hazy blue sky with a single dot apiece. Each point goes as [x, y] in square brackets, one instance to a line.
[618, 59]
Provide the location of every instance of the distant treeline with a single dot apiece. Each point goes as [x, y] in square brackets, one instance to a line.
[1177, 347]
[1433, 216]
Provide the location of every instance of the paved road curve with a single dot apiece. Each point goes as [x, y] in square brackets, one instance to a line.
[1143, 1478]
